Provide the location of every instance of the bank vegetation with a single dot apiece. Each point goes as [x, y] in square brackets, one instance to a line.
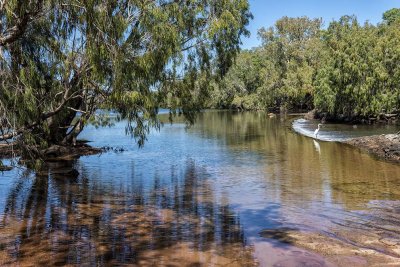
[345, 71]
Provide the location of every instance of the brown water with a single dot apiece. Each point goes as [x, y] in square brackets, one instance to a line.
[236, 189]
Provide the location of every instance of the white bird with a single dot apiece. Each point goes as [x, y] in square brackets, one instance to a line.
[317, 130]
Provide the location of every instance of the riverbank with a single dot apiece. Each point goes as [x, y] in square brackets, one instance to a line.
[379, 140]
[381, 118]
[52, 154]
[55, 152]
[385, 146]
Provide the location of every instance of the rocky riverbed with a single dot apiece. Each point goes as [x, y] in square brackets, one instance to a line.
[385, 146]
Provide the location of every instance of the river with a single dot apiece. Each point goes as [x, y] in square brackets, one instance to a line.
[235, 189]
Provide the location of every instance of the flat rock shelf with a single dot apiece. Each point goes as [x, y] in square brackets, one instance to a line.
[384, 146]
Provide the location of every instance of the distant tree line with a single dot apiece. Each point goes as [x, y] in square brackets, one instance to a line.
[347, 70]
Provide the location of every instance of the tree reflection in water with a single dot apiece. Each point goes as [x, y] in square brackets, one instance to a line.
[56, 220]
[178, 200]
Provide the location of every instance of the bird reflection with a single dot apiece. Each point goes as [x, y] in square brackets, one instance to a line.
[317, 146]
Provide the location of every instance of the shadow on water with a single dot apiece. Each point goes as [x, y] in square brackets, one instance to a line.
[60, 221]
[280, 234]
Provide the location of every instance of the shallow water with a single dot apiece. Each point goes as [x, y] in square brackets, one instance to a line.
[236, 189]
[340, 132]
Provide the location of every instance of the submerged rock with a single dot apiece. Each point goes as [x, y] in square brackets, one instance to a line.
[57, 152]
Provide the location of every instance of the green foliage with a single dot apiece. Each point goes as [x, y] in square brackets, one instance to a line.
[293, 51]
[242, 80]
[63, 58]
[391, 15]
[348, 71]
[280, 73]
[359, 76]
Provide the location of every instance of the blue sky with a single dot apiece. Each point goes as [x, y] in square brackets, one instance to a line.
[266, 12]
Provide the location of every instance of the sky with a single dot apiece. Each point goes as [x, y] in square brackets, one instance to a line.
[266, 12]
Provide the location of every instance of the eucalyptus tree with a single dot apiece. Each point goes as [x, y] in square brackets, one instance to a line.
[293, 47]
[280, 72]
[60, 60]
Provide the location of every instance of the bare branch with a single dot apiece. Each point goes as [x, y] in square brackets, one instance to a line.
[77, 110]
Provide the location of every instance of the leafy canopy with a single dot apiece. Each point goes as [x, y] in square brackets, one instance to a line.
[348, 71]
[61, 60]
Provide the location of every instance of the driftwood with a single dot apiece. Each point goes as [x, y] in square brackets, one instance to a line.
[391, 115]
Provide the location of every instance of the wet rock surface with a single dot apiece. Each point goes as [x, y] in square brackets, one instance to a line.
[56, 152]
[385, 146]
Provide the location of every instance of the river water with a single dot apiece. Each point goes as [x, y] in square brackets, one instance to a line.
[235, 189]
